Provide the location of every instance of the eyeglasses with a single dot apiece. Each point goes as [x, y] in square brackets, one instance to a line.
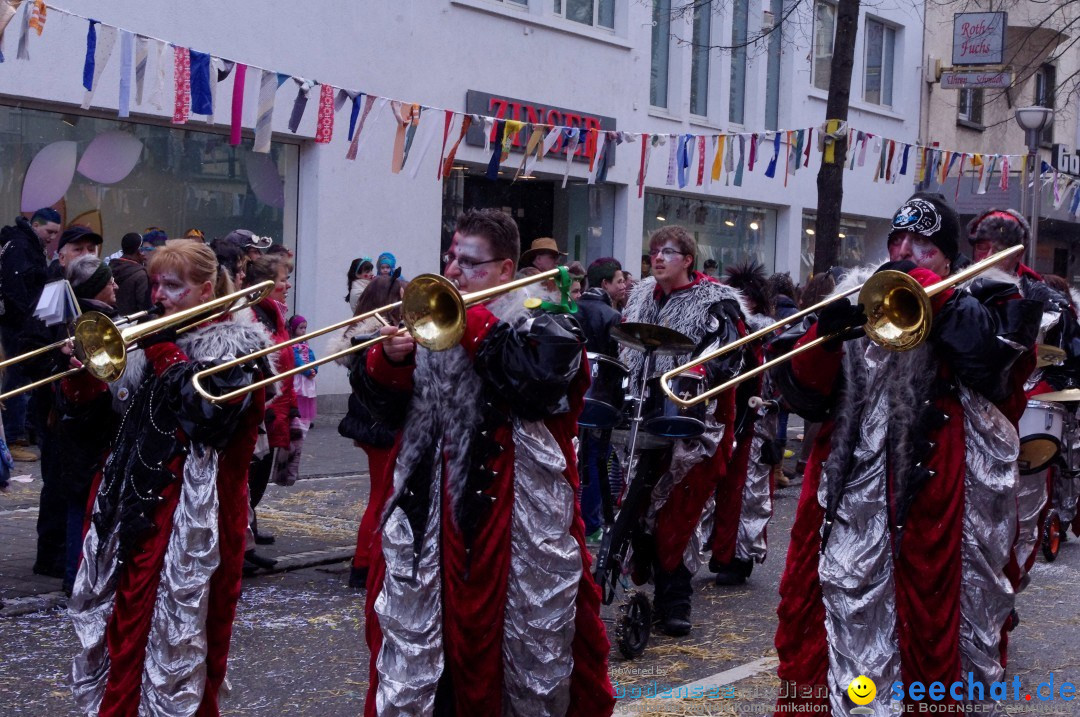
[465, 264]
[667, 252]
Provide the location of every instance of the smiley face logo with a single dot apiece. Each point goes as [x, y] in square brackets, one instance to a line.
[862, 690]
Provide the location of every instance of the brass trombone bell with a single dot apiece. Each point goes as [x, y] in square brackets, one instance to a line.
[898, 311]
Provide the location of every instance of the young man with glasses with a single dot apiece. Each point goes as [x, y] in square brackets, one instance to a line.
[480, 591]
[686, 473]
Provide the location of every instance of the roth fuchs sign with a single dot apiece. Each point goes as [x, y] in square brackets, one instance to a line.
[1064, 160]
[508, 108]
[978, 38]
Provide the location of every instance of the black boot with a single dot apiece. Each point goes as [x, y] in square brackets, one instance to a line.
[734, 573]
[260, 538]
[255, 561]
[671, 600]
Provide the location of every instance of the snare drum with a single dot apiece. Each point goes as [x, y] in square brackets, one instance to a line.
[607, 392]
[1040, 430]
[665, 418]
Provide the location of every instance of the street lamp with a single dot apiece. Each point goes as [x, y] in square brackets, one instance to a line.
[1033, 120]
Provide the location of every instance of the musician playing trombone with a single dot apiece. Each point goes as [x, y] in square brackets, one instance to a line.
[480, 593]
[686, 473]
[902, 532]
[156, 591]
[989, 233]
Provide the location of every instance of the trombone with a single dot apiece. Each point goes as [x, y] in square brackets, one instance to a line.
[101, 345]
[432, 309]
[898, 311]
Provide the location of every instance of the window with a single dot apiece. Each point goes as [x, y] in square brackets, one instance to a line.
[772, 68]
[729, 233]
[740, 16]
[599, 13]
[969, 106]
[699, 59]
[661, 44]
[878, 78]
[1045, 89]
[824, 34]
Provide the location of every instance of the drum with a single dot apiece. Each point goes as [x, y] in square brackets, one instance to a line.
[665, 418]
[607, 392]
[1040, 431]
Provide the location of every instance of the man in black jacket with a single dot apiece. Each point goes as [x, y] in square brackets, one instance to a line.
[596, 313]
[607, 285]
[22, 277]
[133, 293]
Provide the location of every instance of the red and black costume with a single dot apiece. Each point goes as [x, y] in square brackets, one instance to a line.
[157, 588]
[479, 596]
[896, 566]
[685, 474]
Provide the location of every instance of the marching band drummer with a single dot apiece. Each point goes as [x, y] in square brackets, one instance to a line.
[480, 593]
[991, 232]
[686, 474]
[156, 591]
[902, 532]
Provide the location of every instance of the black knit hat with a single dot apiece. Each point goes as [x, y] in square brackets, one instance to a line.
[1006, 227]
[930, 215]
[92, 285]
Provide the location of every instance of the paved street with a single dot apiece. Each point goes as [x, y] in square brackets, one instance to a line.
[298, 644]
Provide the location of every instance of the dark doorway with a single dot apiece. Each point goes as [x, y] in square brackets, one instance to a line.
[530, 203]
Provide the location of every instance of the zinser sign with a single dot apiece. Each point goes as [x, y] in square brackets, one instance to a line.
[483, 103]
[979, 38]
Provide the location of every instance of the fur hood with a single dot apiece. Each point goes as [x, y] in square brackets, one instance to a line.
[239, 335]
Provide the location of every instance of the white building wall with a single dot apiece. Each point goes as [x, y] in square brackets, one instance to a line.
[431, 52]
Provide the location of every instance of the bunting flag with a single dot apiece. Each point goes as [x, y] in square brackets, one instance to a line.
[683, 159]
[513, 128]
[420, 147]
[23, 52]
[37, 13]
[466, 122]
[739, 166]
[202, 101]
[718, 160]
[300, 103]
[598, 160]
[264, 114]
[903, 162]
[753, 153]
[163, 66]
[8, 8]
[611, 140]
[448, 121]
[573, 137]
[182, 85]
[142, 54]
[354, 112]
[1004, 185]
[532, 148]
[700, 160]
[99, 47]
[809, 144]
[219, 70]
[673, 162]
[729, 159]
[371, 104]
[645, 146]
[127, 60]
[324, 129]
[238, 104]
[770, 171]
[408, 116]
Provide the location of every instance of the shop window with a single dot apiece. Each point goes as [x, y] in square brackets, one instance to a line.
[661, 47]
[699, 59]
[878, 75]
[969, 107]
[740, 17]
[727, 232]
[824, 35]
[858, 245]
[1045, 89]
[598, 13]
[182, 179]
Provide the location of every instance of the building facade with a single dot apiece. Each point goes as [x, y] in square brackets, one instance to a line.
[1041, 54]
[621, 65]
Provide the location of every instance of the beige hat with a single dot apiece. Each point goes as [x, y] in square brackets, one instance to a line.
[540, 246]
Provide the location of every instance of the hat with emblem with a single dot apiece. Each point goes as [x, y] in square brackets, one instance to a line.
[930, 215]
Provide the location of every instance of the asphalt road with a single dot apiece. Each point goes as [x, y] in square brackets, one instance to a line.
[298, 644]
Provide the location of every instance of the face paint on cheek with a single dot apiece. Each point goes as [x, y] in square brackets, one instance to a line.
[172, 288]
[923, 251]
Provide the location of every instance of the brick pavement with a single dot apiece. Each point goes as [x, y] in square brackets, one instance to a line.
[316, 517]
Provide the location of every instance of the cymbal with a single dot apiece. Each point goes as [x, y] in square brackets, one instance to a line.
[1069, 394]
[661, 340]
[1049, 356]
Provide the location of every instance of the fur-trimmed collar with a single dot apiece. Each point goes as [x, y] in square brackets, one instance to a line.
[239, 335]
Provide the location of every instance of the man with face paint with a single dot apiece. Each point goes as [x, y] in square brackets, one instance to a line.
[687, 473]
[479, 590]
[991, 232]
[898, 553]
